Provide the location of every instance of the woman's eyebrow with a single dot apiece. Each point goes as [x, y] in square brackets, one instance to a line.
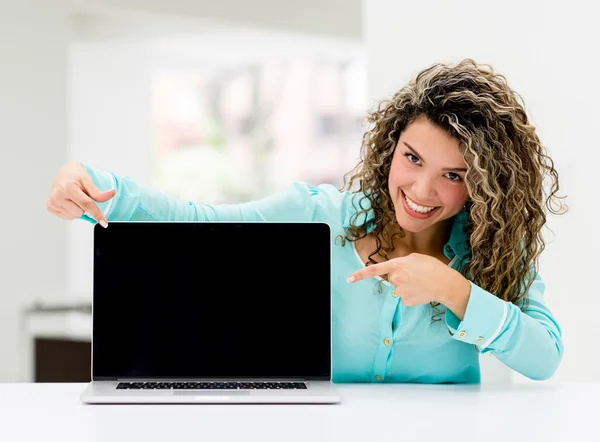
[445, 169]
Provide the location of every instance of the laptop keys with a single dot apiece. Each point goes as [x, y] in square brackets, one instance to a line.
[258, 385]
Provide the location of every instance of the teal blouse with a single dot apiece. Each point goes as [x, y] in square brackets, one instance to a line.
[375, 337]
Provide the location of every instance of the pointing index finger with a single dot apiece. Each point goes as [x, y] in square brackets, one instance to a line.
[371, 271]
[89, 206]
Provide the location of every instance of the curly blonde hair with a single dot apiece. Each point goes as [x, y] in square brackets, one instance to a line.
[506, 161]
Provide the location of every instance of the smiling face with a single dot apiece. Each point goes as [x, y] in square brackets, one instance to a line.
[429, 169]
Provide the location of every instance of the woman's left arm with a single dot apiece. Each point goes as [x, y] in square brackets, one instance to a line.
[529, 342]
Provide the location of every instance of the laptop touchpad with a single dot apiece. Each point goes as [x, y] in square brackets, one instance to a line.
[210, 393]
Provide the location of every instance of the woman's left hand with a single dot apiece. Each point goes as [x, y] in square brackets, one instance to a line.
[421, 279]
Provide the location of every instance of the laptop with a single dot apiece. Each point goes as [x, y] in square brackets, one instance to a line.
[211, 312]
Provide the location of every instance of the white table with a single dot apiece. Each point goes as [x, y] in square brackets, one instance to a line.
[369, 413]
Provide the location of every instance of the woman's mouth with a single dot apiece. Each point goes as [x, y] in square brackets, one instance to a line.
[417, 211]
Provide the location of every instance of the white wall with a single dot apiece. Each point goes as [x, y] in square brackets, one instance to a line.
[33, 140]
[339, 18]
[549, 53]
[110, 128]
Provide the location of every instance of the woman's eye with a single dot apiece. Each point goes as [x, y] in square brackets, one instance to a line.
[412, 158]
[454, 176]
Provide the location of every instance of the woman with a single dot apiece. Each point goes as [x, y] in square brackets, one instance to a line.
[437, 232]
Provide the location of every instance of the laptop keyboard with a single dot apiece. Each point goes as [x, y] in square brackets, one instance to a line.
[254, 385]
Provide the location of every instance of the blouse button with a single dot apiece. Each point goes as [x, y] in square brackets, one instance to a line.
[387, 341]
[462, 334]
[378, 378]
[394, 294]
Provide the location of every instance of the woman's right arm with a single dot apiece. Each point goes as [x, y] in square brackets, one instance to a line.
[81, 191]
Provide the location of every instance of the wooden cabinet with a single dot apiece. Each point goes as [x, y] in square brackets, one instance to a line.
[62, 360]
[56, 342]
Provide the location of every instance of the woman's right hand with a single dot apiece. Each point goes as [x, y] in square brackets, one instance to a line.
[73, 193]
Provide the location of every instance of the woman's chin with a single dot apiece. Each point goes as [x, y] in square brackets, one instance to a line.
[414, 225]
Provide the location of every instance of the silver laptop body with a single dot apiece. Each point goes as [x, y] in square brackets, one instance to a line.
[211, 312]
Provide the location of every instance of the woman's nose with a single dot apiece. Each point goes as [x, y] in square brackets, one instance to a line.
[424, 192]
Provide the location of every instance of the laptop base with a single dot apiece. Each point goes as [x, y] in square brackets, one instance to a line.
[106, 392]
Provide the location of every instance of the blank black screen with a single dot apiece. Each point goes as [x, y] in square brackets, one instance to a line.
[212, 300]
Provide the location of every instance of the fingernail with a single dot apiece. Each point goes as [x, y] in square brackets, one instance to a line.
[350, 279]
[103, 223]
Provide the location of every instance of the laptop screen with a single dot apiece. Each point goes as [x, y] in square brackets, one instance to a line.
[212, 300]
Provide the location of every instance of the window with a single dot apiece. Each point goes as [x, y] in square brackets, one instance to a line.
[242, 126]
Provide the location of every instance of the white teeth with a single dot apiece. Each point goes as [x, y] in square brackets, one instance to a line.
[416, 207]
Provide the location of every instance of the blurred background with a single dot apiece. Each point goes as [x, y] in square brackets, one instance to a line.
[236, 99]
